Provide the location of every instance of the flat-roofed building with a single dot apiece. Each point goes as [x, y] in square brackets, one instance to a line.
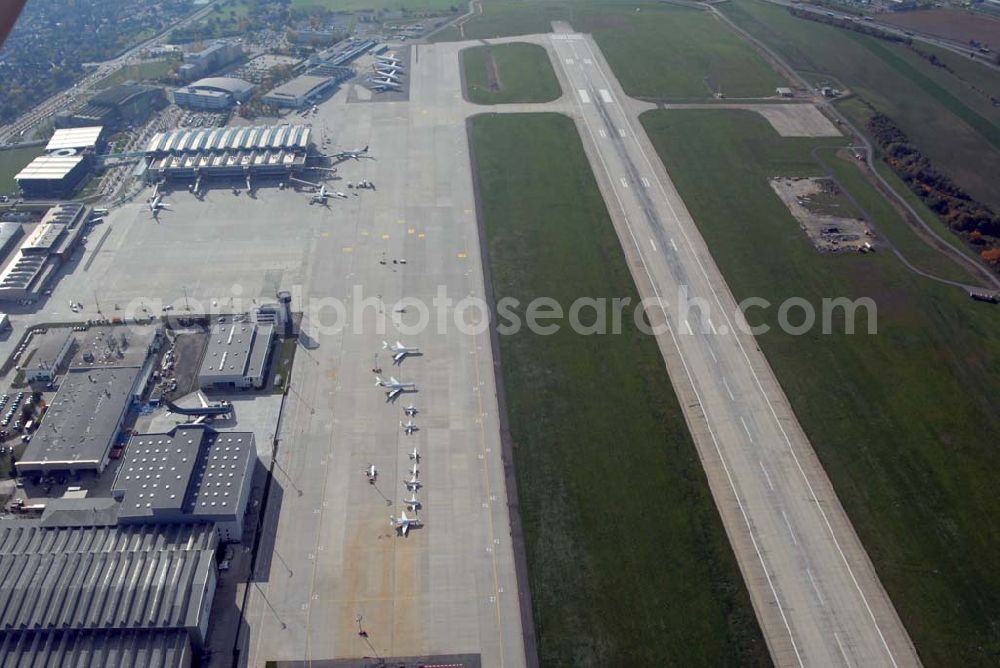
[76, 139]
[82, 421]
[52, 176]
[300, 91]
[236, 357]
[43, 251]
[192, 473]
[49, 355]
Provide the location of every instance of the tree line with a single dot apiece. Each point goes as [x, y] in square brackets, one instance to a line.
[963, 214]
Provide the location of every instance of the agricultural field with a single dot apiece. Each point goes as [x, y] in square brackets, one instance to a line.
[12, 161]
[952, 24]
[949, 123]
[505, 73]
[658, 51]
[899, 419]
[627, 558]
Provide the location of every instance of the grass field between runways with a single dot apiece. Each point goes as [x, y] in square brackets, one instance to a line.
[627, 557]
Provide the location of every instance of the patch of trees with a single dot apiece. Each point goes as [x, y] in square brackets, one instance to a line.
[966, 216]
[849, 24]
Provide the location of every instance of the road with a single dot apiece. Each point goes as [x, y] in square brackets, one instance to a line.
[813, 587]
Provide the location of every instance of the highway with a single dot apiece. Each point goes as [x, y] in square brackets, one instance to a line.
[813, 587]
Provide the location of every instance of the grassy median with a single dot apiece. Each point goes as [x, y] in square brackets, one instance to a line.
[904, 421]
[628, 561]
[506, 73]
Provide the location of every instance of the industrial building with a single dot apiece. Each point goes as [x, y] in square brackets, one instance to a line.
[82, 421]
[213, 94]
[190, 474]
[299, 92]
[52, 176]
[49, 356]
[118, 106]
[235, 151]
[43, 251]
[89, 593]
[76, 140]
[211, 58]
[10, 233]
[236, 357]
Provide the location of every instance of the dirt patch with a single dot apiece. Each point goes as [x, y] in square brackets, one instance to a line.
[797, 120]
[825, 213]
[492, 73]
[952, 24]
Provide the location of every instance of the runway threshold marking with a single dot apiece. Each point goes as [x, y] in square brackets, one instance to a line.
[767, 476]
[624, 182]
[602, 133]
[569, 61]
[645, 181]
[588, 61]
[746, 428]
[583, 96]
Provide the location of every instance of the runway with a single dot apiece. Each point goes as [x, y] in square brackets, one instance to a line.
[813, 587]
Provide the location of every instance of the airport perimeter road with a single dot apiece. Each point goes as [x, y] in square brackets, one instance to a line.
[329, 554]
[814, 589]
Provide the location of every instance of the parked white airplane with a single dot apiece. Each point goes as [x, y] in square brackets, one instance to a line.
[411, 410]
[371, 473]
[356, 154]
[409, 427]
[399, 351]
[394, 387]
[413, 503]
[415, 454]
[388, 58]
[390, 74]
[156, 204]
[403, 523]
[320, 196]
[413, 484]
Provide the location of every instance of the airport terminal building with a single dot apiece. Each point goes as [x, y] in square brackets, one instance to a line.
[232, 151]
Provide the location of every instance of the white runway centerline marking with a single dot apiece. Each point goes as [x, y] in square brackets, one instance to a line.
[653, 245]
[795, 541]
[767, 476]
[622, 132]
[840, 646]
[725, 384]
[583, 96]
[673, 245]
[605, 95]
[812, 581]
[687, 325]
[746, 428]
